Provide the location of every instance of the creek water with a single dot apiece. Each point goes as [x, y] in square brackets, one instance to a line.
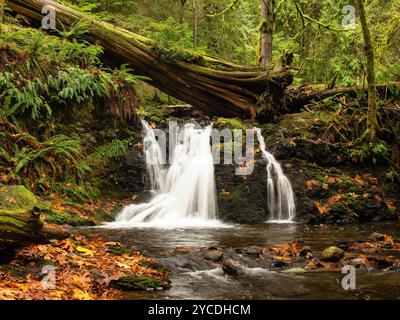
[193, 279]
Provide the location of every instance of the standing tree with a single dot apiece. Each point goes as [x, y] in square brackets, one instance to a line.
[369, 53]
[2, 3]
[266, 32]
[182, 11]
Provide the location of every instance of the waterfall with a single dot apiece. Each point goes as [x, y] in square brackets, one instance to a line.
[184, 191]
[280, 196]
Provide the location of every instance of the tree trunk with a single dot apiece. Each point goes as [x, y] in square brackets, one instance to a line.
[266, 32]
[212, 85]
[369, 53]
[182, 12]
[2, 11]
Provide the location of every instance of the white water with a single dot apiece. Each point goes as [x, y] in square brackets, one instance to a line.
[280, 196]
[185, 192]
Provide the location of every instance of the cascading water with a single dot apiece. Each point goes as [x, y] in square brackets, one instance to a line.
[280, 196]
[185, 192]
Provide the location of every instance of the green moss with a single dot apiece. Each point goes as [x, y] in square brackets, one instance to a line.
[231, 123]
[16, 199]
[150, 265]
[135, 282]
[64, 217]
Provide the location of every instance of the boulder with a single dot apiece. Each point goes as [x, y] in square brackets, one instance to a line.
[376, 236]
[213, 255]
[136, 282]
[20, 222]
[332, 254]
[231, 268]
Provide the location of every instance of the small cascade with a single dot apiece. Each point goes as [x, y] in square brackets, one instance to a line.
[184, 191]
[280, 196]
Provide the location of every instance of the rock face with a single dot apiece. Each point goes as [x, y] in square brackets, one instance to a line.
[241, 199]
[332, 254]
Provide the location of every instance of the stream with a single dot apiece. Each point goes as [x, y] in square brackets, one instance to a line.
[193, 279]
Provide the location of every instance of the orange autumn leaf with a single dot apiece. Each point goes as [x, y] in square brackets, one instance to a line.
[334, 199]
[311, 184]
[390, 206]
[321, 209]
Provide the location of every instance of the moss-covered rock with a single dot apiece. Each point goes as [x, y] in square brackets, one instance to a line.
[332, 254]
[19, 223]
[136, 282]
[16, 199]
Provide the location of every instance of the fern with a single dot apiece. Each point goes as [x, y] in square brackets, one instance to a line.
[118, 149]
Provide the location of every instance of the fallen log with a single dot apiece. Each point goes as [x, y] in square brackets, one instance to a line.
[20, 223]
[294, 99]
[216, 87]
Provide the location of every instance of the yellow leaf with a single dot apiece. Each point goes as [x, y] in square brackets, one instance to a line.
[57, 293]
[224, 193]
[81, 295]
[85, 251]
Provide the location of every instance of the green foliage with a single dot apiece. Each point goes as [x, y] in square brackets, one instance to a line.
[43, 71]
[77, 30]
[77, 191]
[118, 149]
[370, 151]
[393, 175]
[26, 159]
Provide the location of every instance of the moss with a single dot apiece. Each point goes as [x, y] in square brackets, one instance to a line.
[118, 251]
[16, 199]
[135, 282]
[231, 123]
[151, 265]
[64, 217]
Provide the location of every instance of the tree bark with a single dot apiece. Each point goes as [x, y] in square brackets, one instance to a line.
[266, 32]
[369, 53]
[2, 3]
[212, 85]
[182, 12]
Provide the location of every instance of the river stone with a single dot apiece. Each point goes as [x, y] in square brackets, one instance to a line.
[213, 255]
[135, 282]
[332, 254]
[358, 263]
[376, 236]
[230, 267]
[294, 270]
[305, 251]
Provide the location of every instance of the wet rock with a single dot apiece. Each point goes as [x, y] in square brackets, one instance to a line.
[213, 255]
[250, 250]
[306, 251]
[241, 199]
[332, 254]
[358, 263]
[279, 264]
[376, 236]
[294, 270]
[232, 268]
[136, 282]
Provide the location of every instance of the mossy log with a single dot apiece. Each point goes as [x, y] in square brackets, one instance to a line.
[20, 224]
[216, 87]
